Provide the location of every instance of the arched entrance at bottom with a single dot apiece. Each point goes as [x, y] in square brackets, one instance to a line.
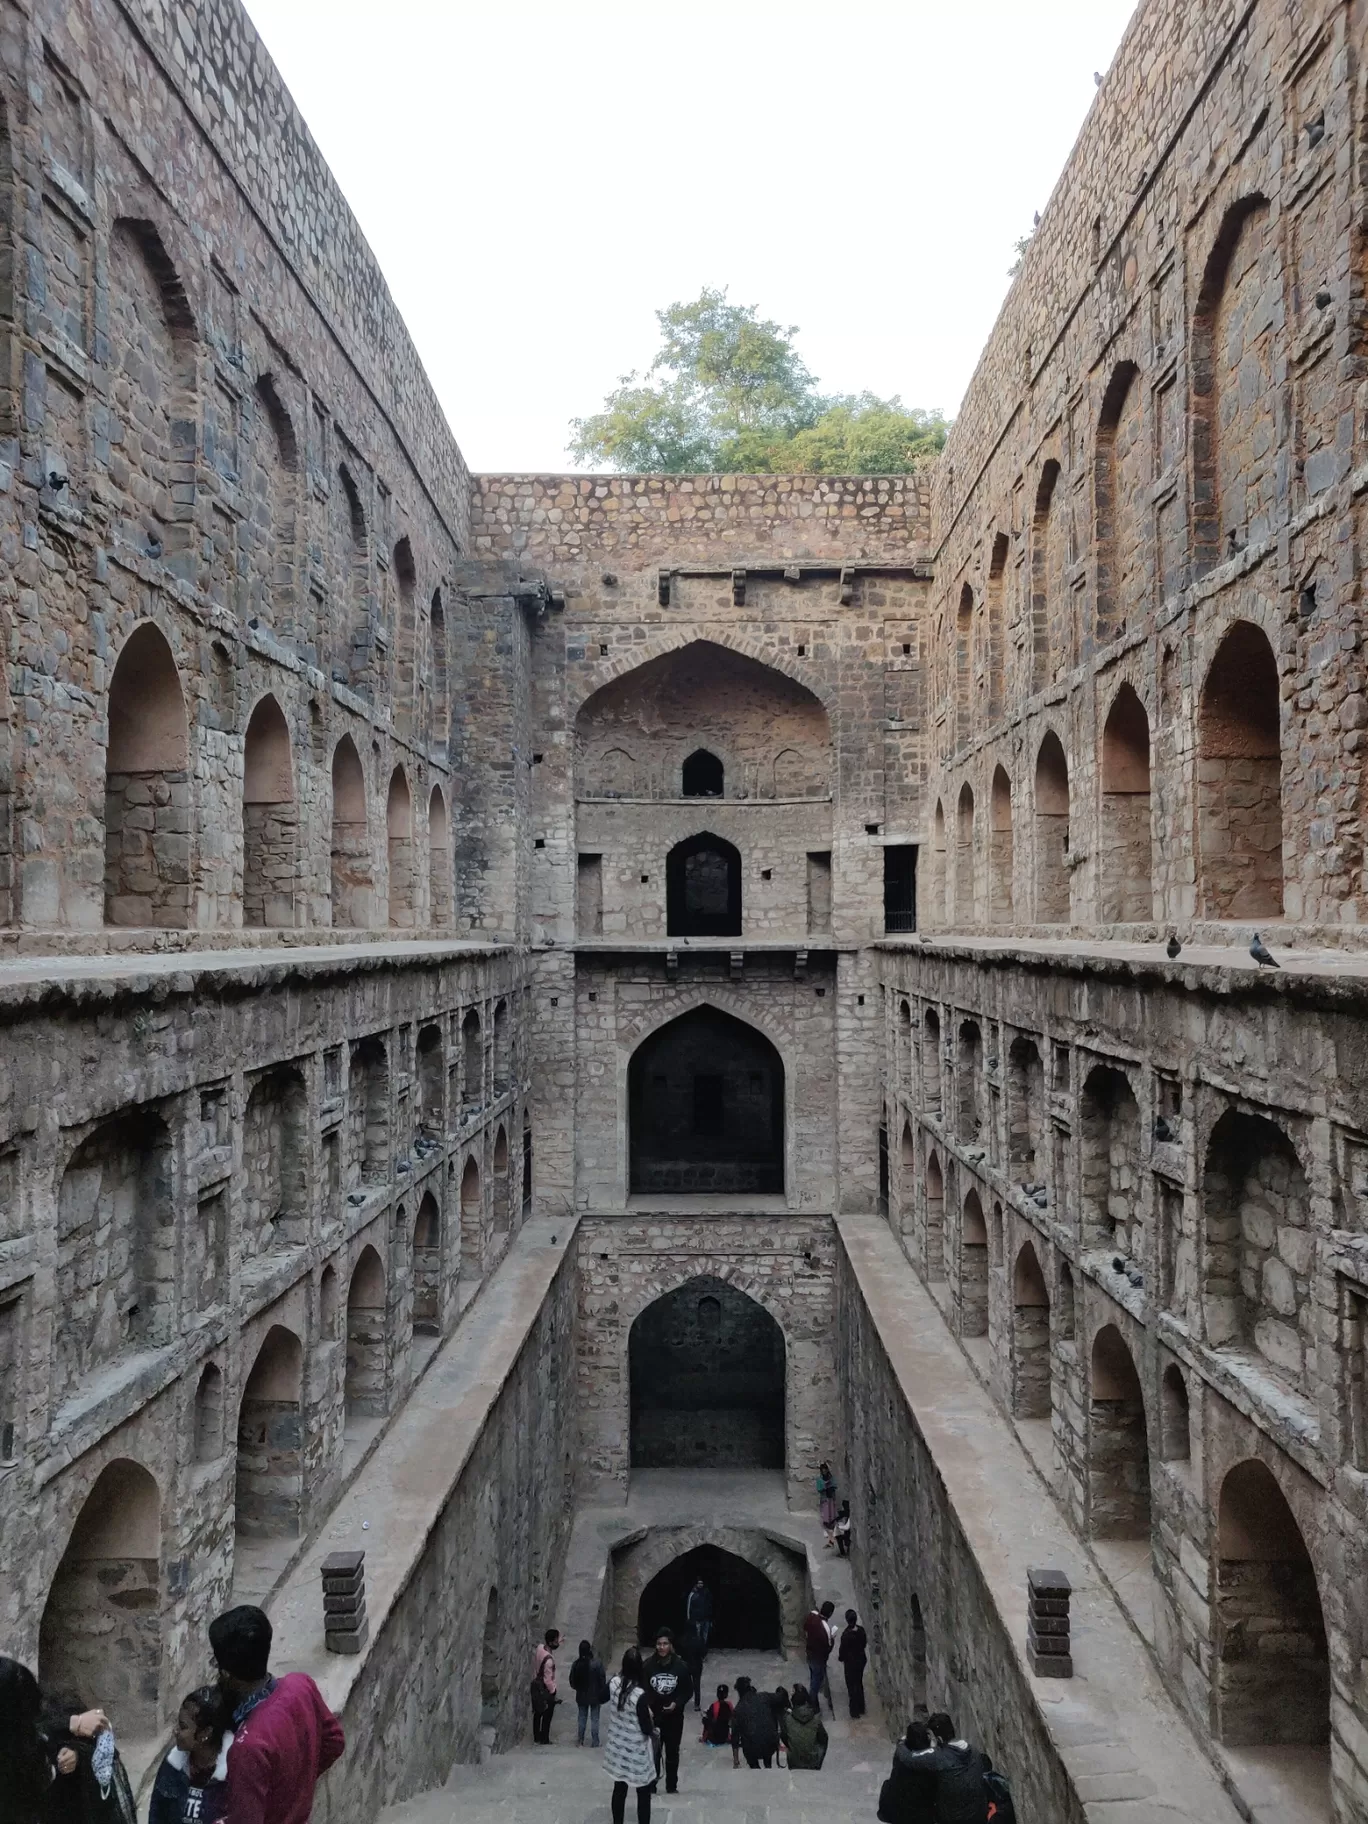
[706, 1365]
[745, 1602]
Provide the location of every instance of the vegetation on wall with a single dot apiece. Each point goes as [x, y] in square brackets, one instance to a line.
[728, 394]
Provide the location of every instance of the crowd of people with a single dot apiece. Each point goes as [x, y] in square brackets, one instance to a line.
[248, 1749]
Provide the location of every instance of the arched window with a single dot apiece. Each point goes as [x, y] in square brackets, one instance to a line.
[964, 857]
[703, 888]
[1175, 1416]
[472, 1225]
[1047, 576]
[427, 1268]
[1121, 476]
[270, 820]
[1239, 780]
[147, 806]
[706, 1368]
[208, 1416]
[973, 1270]
[405, 691]
[367, 1380]
[702, 775]
[269, 1488]
[964, 665]
[997, 588]
[441, 686]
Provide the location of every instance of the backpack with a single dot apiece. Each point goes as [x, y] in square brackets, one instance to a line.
[1001, 1810]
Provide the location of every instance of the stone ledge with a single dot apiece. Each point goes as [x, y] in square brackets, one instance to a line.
[402, 1489]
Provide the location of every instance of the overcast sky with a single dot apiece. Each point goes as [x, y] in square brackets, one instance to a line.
[537, 177]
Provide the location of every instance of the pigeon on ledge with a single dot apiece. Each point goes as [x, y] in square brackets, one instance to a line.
[1172, 947]
[1262, 955]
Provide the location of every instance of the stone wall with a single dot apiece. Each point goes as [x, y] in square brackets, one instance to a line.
[1175, 1255]
[1146, 520]
[188, 1268]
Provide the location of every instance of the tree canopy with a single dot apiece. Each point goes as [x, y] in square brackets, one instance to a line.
[728, 394]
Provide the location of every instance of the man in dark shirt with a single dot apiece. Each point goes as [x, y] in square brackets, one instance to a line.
[668, 1685]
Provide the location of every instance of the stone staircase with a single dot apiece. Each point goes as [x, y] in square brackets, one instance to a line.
[564, 1784]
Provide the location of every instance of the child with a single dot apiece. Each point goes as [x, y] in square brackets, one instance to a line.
[842, 1530]
[717, 1722]
[190, 1782]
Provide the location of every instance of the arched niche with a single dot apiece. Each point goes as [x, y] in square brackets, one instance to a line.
[1239, 780]
[973, 1275]
[367, 1378]
[439, 860]
[1118, 1442]
[746, 1606]
[269, 1489]
[1030, 1336]
[148, 805]
[1000, 904]
[1127, 865]
[706, 1109]
[270, 820]
[702, 775]
[1051, 833]
[1272, 1661]
[635, 735]
[964, 856]
[100, 1636]
[350, 852]
[472, 1223]
[399, 832]
[707, 1370]
[427, 1267]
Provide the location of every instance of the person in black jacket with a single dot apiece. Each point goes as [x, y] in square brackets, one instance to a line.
[24, 1757]
[853, 1654]
[670, 1687]
[961, 1796]
[192, 1782]
[693, 1653]
[908, 1795]
[91, 1786]
[589, 1682]
[754, 1731]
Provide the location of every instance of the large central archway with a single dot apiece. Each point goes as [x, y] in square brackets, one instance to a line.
[706, 1365]
[745, 1602]
[706, 1109]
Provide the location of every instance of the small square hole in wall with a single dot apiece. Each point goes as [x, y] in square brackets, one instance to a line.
[767, 873]
[645, 880]
[907, 649]
[802, 652]
[539, 842]
[859, 1000]
[603, 651]
[555, 1000]
[536, 759]
[871, 829]
[821, 994]
[593, 994]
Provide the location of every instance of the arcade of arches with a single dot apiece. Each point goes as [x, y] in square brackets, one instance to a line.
[559, 994]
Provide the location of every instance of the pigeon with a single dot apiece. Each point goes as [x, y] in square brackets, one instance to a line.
[1172, 947]
[1262, 955]
[1097, 78]
[1118, 1264]
[1162, 1130]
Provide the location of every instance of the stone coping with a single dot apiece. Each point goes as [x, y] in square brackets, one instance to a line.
[392, 1507]
[1315, 972]
[1114, 1717]
[31, 981]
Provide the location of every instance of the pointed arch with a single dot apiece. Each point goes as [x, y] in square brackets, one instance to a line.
[427, 1268]
[973, 1268]
[499, 1172]
[440, 731]
[1047, 573]
[1235, 445]
[1127, 862]
[270, 820]
[101, 1625]
[152, 336]
[964, 665]
[439, 860]
[1239, 779]
[964, 856]
[703, 887]
[399, 831]
[350, 849]
[269, 1489]
[996, 606]
[405, 677]
[1120, 494]
[1000, 905]
[706, 1112]
[367, 1378]
[702, 775]
[940, 869]
[148, 800]
[472, 1222]
[1051, 833]
[1118, 1442]
[1030, 1336]
[351, 569]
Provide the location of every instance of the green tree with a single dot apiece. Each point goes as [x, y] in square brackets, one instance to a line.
[728, 394]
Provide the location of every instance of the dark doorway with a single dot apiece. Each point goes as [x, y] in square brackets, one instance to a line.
[706, 1365]
[702, 775]
[705, 1099]
[703, 888]
[900, 886]
[745, 1602]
